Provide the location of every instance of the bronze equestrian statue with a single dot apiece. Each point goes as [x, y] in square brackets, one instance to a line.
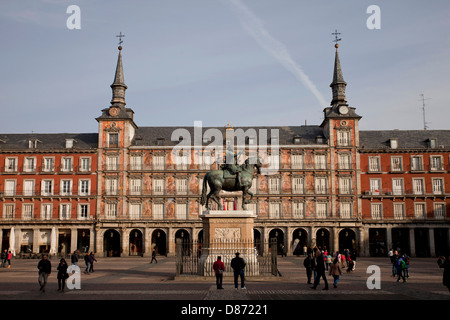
[225, 180]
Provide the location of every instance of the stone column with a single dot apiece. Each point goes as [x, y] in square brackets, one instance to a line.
[98, 235]
[363, 237]
[335, 238]
[389, 238]
[171, 243]
[125, 234]
[431, 242]
[147, 242]
[412, 242]
[73, 240]
[36, 233]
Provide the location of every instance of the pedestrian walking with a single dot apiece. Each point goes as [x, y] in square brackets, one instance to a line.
[4, 257]
[407, 262]
[8, 258]
[91, 260]
[219, 269]
[87, 261]
[45, 268]
[395, 257]
[350, 265]
[336, 272]
[307, 263]
[62, 274]
[305, 251]
[154, 256]
[320, 269]
[328, 260]
[74, 258]
[238, 265]
[401, 266]
[445, 264]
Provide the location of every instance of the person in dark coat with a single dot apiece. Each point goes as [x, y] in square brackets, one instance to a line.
[307, 263]
[320, 269]
[238, 265]
[45, 268]
[154, 256]
[445, 264]
[62, 274]
[91, 260]
[87, 261]
[74, 258]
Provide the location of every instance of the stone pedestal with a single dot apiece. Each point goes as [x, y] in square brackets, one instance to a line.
[225, 233]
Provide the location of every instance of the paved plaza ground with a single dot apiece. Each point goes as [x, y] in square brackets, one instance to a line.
[136, 279]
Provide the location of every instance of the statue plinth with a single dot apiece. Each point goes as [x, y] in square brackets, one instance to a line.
[224, 234]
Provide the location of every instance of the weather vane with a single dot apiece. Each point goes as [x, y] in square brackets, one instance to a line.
[336, 39]
[120, 36]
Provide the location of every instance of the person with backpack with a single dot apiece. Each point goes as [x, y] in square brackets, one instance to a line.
[401, 266]
[307, 263]
[407, 260]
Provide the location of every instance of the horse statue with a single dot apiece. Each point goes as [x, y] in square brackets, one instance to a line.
[223, 180]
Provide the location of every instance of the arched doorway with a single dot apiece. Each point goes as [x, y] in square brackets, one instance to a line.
[111, 243]
[299, 240]
[136, 248]
[377, 242]
[323, 239]
[347, 240]
[279, 236]
[159, 242]
[185, 238]
[400, 240]
[421, 239]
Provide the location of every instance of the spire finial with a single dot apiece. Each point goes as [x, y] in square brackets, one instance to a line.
[336, 39]
[118, 86]
[120, 36]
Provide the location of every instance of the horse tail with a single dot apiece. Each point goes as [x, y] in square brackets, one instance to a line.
[203, 199]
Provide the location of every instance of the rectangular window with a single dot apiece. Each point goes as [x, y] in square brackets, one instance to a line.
[274, 185]
[439, 210]
[8, 211]
[345, 210]
[344, 162]
[205, 160]
[298, 209]
[83, 188]
[419, 210]
[66, 165]
[297, 161]
[113, 140]
[158, 162]
[399, 211]
[28, 188]
[274, 210]
[321, 185]
[374, 164]
[30, 165]
[321, 210]
[135, 211]
[375, 186]
[111, 187]
[182, 162]
[112, 163]
[64, 212]
[111, 210]
[418, 186]
[66, 187]
[180, 211]
[436, 163]
[158, 211]
[27, 211]
[274, 161]
[298, 185]
[397, 186]
[83, 211]
[345, 185]
[85, 164]
[320, 161]
[158, 186]
[376, 211]
[135, 186]
[48, 165]
[47, 188]
[343, 138]
[11, 165]
[181, 186]
[438, 186]
[135, 163]
[254, 187]
[46, 211]
[416, 163]
[10, 187]
[252, 207]
[396, 164]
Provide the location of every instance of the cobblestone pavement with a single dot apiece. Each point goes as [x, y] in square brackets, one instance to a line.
[135, 278]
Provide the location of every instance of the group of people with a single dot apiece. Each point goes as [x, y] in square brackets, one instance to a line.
[45, 269]
[318, 262]
[400, 265]
[6, 258]
[237, 264]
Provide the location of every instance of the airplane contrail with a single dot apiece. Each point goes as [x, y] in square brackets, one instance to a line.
[255, 28]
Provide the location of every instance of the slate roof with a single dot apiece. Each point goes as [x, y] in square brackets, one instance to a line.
[407, 139]
[48, 141]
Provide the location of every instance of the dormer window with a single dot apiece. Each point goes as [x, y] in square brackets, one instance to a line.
[69, 143]
[393, 143]
[32, 143]
[432, 143]
[297, 140]
[320, 140]
[160, 142]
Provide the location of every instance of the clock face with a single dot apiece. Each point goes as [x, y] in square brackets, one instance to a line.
[113, 112]
[343, 110]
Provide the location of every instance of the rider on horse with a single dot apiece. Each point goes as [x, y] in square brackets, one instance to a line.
[231, 169]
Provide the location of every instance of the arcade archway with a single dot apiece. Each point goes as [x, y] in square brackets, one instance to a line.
[136, 243]
[279, 236]
[299, 240]
[323, 239]
[159, 242]
[111, 243]
[347, 240]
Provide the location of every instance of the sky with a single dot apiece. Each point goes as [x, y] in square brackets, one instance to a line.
[243, 62]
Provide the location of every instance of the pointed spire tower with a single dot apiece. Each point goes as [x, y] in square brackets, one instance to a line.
[338, 85]
[118, 87]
